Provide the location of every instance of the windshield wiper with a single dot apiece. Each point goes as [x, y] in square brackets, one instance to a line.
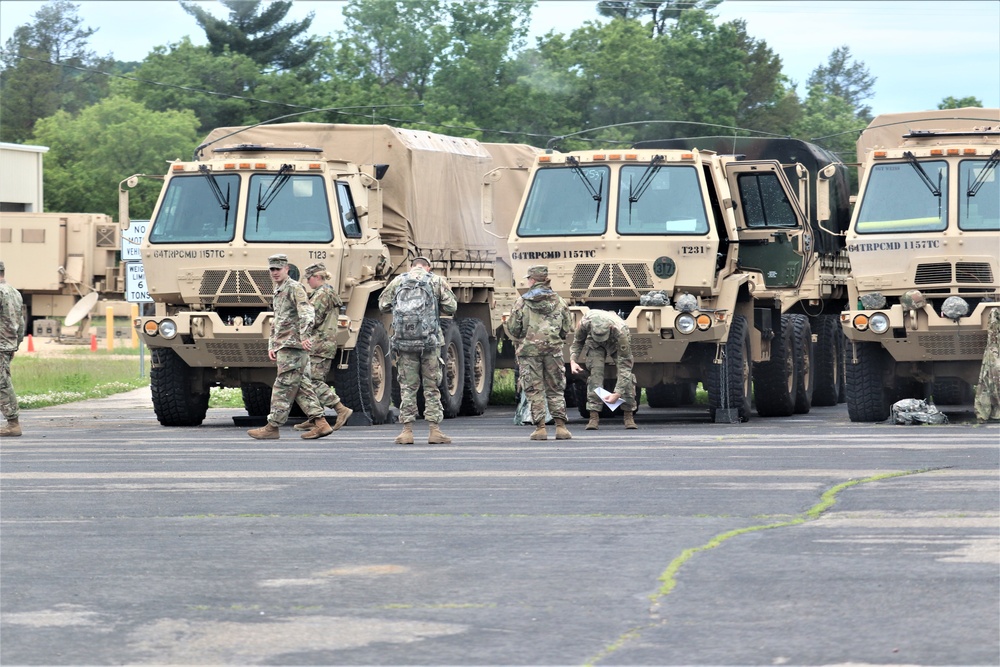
[217, 191]
[644, 182]
[594, 193]
[935, 190]
[990, 165]
[264, 200]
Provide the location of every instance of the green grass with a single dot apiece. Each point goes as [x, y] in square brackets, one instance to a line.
[40, 382]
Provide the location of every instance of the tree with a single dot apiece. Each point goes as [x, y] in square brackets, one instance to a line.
[92, 151]
[257, 33]
[41, 70]
[846, 79]
[959, 103]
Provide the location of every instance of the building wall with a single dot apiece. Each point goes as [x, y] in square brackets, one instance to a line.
[21, 177]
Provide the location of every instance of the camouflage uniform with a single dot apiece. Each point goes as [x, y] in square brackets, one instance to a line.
[11, 335]
[326, 305]
[987, 402]
[540, 322]
[293, 320]
[411, 367]
[603, 337]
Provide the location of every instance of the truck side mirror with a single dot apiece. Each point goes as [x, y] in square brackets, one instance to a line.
[123, 215]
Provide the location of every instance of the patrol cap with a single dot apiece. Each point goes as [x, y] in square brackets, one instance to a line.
[277, 261]
[600, 330]
[421, 258]
[313, 269]
[539, 273]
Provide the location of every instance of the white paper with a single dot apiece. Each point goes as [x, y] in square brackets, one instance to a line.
[603, 394]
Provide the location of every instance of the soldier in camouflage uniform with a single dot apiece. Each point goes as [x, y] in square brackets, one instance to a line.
[11, 335]
[602, 337]
[540, 322]
[326, 303]
[412, 367]
[987, 402]
[289, 346]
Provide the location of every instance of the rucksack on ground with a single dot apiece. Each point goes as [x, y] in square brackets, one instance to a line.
[414, 315]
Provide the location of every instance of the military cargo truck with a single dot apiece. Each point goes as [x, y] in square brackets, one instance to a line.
[54, 259]
[924, 245]
[722, 265]
[364, 200]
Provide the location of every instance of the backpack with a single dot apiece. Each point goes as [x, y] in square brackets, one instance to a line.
[414, 315]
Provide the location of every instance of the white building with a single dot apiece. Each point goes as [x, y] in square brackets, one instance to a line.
[21, 178]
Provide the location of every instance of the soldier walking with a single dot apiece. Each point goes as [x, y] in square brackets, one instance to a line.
[417, 299]
[11, 335]
[326, 303]
[289, 346]
[540, 322]
[601, 337]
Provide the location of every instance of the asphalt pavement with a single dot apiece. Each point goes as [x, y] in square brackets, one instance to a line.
[806, 540]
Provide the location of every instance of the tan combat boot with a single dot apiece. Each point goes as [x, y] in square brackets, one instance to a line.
[595, 417]
[265, 432]
[307, 425]
[562, 433]
[320, 429]
[629, 419]
[11, 430]
[436, 437]
[539, 433]
[406, 437]
[343, 414]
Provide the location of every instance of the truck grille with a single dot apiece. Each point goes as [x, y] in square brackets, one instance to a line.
[975, 273]
[965, 345]
[610, 281]
[236, 287]
[242, 353]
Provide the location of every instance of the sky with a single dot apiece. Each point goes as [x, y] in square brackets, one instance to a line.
[919, 52]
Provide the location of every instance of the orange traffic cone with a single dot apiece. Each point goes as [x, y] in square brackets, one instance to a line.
[93, 342]
[31, 343]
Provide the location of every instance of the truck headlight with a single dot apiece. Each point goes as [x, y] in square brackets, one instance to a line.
[685, 323]
[879, 323]
[168, 329]
[860, 322]
[150, 328]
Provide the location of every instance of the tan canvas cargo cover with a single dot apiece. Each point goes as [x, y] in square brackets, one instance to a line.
[432, 192]
[887, 130]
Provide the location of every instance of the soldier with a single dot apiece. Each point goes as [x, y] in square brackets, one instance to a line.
[326, 304]
[11, 335]
[540, 322]
[987, 401]
[289, 346]
[602, 336]
[416, 300]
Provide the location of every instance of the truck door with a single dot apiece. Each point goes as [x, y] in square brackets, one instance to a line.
[773, 236]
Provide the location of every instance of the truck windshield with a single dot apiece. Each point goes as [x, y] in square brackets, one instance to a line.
[979, 207]
[190, 211]
[897, 199]
[671, 202]
[562, 203]
[296, 210]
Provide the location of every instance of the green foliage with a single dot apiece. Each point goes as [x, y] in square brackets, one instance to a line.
[960, 103]
[847, 79]
[92, 151]
[40, 382]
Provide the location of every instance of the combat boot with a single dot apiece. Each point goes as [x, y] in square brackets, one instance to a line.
[265, 432]
[11, 430]
[539, 433]
[595, 417]
[436, 437]
[406, 437]
[307, 425]
[562, 433]
[320, 429]
[343, 414]
[629, 419]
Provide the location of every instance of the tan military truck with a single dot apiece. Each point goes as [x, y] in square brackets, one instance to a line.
[57, 259]
[924, 244]
[364, 200]
[724, 256]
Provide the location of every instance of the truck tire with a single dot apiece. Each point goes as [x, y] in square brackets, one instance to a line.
[452, 370]
[478, 366]
[175, 401]
[256, 398]
[868, 400]
[774, 380]
[729, 382]
[805, 371]
[365, 385]
[828, 360]
[665, 395]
